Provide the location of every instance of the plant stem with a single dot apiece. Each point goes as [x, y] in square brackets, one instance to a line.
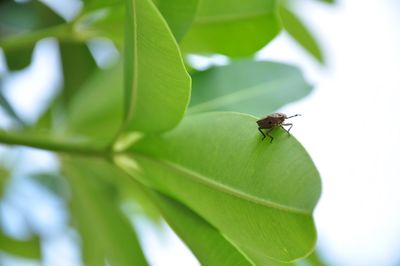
[52, 145]
[62, 32]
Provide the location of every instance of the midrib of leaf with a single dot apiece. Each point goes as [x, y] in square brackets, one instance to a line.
[199, 178]
[229, 18]
[134, 86]
[238, 96]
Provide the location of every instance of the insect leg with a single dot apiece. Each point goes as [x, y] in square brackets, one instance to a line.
[259, 129]
[271, 137]
[287, 130]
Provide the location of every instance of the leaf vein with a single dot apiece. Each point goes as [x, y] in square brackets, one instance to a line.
[199, 178]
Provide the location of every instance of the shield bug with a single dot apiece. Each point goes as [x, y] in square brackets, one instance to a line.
[272, 121]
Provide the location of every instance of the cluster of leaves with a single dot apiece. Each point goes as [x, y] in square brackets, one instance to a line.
[134, 136]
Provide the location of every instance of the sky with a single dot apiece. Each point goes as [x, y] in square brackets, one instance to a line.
[348, 125]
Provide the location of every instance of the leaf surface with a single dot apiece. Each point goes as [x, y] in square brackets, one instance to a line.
[259, 195]
[179, 14]
[105, 231]
[296, 28]
[234, 28]
[208, 245]
[247, 86]
[157, 86]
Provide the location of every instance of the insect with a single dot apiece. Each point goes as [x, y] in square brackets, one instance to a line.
[272, 121]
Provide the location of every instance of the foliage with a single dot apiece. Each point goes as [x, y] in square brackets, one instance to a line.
[144, 130]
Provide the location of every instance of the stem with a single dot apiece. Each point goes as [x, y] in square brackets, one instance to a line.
[52, 145]
[62, 32]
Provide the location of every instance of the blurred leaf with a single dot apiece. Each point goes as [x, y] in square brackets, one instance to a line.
[53, 182]
[179, 14]
[96, 110]
[4, 176]
[206, 242]
[295, 27]
[19, 18]
[126, 189]
[108, 20]
[157, 86]
[233, 28]
[23, 248]
[99, 4]
[328, 1]
[77, 65]
[104, 22]
[247, 86]
[20, 58]
[259, 195]
[7, 107]
[106, 233]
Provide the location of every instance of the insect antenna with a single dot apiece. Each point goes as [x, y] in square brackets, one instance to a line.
[293, 116]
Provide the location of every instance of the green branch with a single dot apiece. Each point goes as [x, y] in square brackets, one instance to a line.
[61, 32]
[53, 145]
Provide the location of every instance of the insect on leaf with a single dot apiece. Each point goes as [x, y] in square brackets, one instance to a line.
[259, 195]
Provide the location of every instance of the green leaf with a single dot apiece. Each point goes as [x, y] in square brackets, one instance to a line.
[96, 110]
[234, 28]
[179, 14]
[4, 179]
[106, 232]
[208, 245]
[77, 65]
[19, 58]
[8, 108]
[247, 86]
[105, 22]
[328, 1]
[295, 27]
[53, 182]
[20, 18]
[90, 5]
[259, 195]
[24, 248]
[157, 86]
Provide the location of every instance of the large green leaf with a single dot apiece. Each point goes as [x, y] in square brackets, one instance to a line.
[247, 86]
[234, 28]
[208, 245]
[179, 14]
[105, 231]
[260, 195]
[295, 27]
[157, 86]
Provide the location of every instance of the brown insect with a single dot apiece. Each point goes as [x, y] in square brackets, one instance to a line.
[272, 121]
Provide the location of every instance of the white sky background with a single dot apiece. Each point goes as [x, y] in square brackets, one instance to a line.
[350, 126]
